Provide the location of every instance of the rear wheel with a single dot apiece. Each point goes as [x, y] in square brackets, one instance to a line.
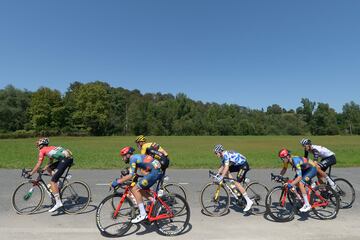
[75, 197]
[111, 225]
[174, 188]
[324, 201]
[257, 193]
[28, 197]
[180, 211]
[215, 199]
[279, 206]
[345, 191]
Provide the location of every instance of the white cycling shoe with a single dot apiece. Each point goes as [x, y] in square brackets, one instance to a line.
[305, 208]
[248, 206]
[56, 207]
[139, 218]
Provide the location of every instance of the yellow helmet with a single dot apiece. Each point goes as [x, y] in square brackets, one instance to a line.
[140, 138]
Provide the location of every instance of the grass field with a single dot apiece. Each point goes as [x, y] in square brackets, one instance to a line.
[185, 152]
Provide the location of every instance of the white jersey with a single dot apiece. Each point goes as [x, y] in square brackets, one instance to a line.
[232, 158]
[320, 152]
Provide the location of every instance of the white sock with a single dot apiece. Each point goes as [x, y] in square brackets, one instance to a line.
[306, 201]
[331, 182]
[57, 198]
[142, 209]
[246, 197]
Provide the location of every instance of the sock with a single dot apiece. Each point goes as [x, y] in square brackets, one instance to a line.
[306, 201]
[246, 197]
[57, 198]
[142, 209]
[331, 182]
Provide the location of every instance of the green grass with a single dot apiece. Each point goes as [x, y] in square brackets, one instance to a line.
[185, 152]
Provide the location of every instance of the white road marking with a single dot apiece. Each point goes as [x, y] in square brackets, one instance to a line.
[102, 184]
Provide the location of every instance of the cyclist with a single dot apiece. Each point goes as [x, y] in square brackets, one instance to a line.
[233, 162]
[63, 159]
[149, 167]
[153, 149]
[327, 159]
[305, 171]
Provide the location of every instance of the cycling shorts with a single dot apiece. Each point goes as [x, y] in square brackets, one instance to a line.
[150, 179]
[327, 162]
[241, 171]
[308, 174]
[59, 167]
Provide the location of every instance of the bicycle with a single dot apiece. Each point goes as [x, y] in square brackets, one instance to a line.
[29, 196]
[282, 203]
[215, 197]
[345, 190]
[114, 220]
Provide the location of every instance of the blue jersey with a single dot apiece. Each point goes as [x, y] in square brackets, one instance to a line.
[232, 158]
[300, 164]
[145, 162]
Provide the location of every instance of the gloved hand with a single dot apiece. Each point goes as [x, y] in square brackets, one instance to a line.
[27, 175]
[115, 183]
[277, 178]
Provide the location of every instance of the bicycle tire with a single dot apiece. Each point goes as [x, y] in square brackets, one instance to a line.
[332, 199]
[174, 188]
[105, 221]
[172, 226]
[208, 199]
[31, 189]
[257, 192]
[274, 208]
[73, 201]
[346, 192]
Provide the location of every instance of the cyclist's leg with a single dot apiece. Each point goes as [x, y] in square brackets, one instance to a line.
[324, 165]
[307, 175]
[249, 202]
[59, 170]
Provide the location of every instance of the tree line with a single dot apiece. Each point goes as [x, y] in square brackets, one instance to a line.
[98, 109]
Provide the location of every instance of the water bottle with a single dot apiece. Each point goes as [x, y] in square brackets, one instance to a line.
[234, 188]
[28, 194]
[160, 193]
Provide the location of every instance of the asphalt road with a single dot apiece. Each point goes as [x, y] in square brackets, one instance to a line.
[235, 225]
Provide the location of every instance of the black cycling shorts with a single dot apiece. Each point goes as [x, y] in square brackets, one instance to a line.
[241, 171]
[59, 167]
[327, 162]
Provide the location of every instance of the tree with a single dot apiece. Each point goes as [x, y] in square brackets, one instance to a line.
[351, 117]
[324, 121]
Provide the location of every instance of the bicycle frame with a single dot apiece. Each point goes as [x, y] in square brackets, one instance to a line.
[150, 218]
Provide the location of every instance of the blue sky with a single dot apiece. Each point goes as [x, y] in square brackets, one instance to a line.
[252, 53]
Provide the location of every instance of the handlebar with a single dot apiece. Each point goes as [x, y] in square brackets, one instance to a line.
[279, 178]
[213, 174]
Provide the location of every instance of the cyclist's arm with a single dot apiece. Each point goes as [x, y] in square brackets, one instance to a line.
[125, 178]
[283, 170]
[220, 169]
[51, 160]
[225, 170]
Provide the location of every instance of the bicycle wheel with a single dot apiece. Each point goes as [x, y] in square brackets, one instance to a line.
[175, 188]
[27, 197]
[346, 192]
[279, 206]
[325, 202]
[110, 225]
[257, 193]
[75, 197]
[215, 199]
[181, 215]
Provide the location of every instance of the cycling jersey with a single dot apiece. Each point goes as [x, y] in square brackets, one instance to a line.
[148, 164]
[57, 153]
[232, 158]
[146, 146]
[300, 164]
[319, 152]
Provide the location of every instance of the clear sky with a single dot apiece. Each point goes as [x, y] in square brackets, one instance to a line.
[252, 53]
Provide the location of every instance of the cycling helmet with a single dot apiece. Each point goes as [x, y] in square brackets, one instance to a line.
[42, 142]
[140, 138]
[305, 141]
[127, 150]
[284, 153]
[218, 148]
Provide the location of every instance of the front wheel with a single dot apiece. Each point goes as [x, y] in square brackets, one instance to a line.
[215, 199]
[279, 205]
[325, 202]
[28, 197]
[75, 197]
[108, 222]
[346, 192]
[179, 211]
[257, 193]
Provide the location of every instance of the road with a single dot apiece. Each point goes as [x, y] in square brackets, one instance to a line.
[235, 225]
